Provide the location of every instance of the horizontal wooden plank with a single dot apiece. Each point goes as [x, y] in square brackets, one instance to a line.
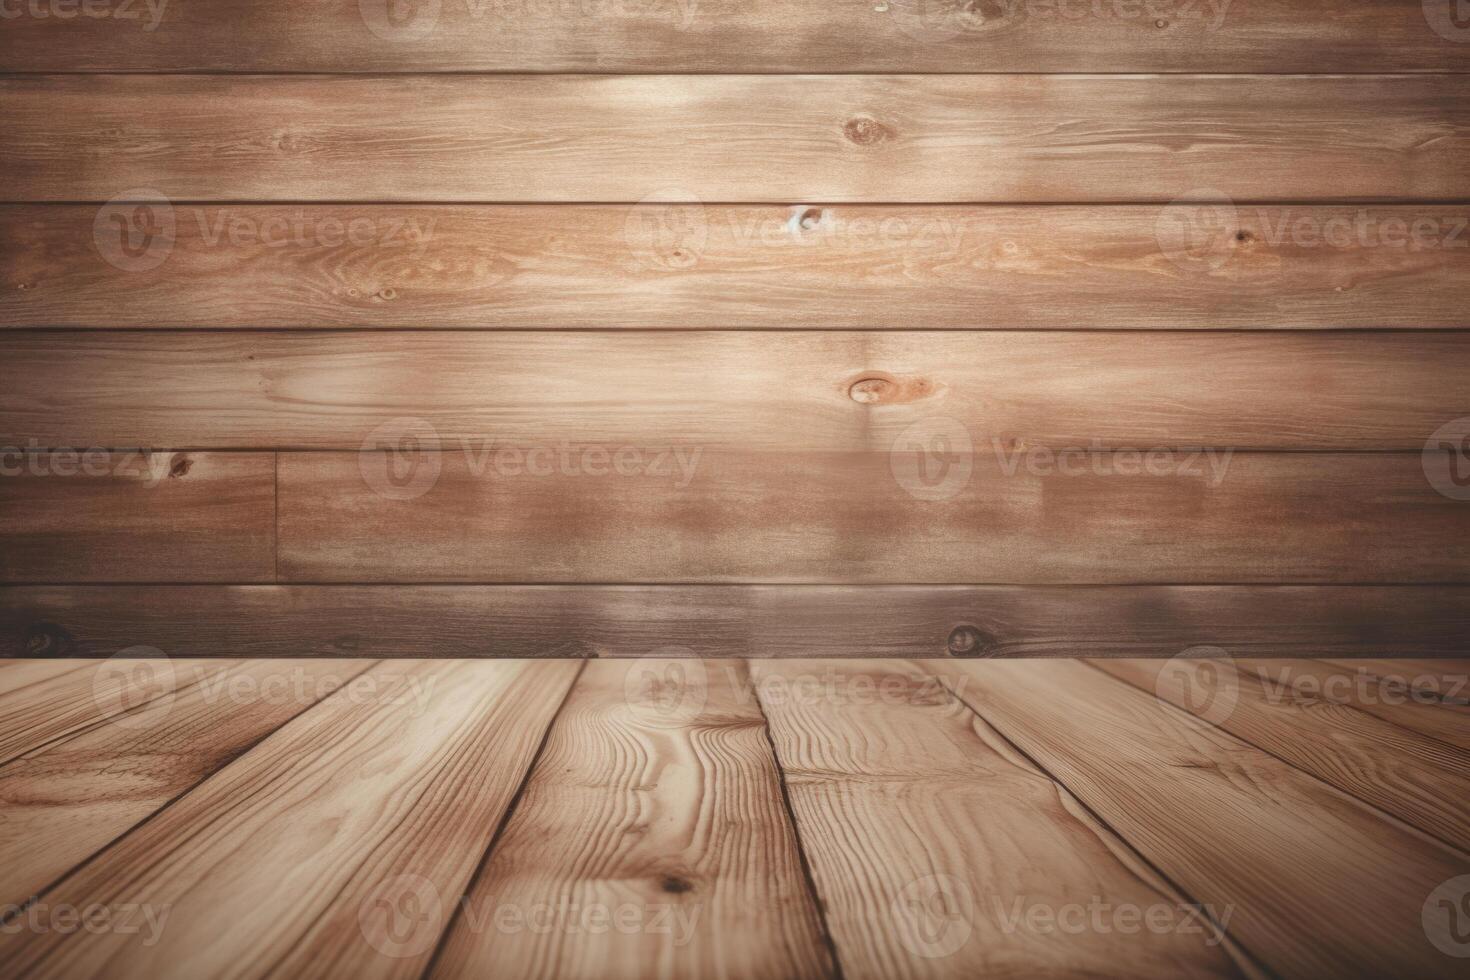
[810, 138]
[846, 517]
[72, 798]
[1004, 393]
[1211, 813]
[738, 35]
[676, 266]
[94, 516]
[728, 621]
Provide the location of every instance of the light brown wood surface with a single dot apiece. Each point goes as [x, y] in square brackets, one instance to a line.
[736, 35]
[1401, 772]
[88, 515]
[726, 620]
[1160, 776]
[381, 797]
[846, 518]
[736, 138]
[69, 798]
[960, 835]
[1189, 265]
[655, 810]
[828, 391]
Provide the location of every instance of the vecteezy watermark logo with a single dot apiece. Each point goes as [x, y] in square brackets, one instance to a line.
[400, 459]
[934, 915]
[38, 917]
[402, 917]
[1205, 680]
[148, 12]
[1101, 917]
[135, 230]
[667, 229]
[1197, 232]
[940, 20]
[933, 459]
[1446, 459]
[668, 690]
[400, 20]
[135, 687]
[1450, 19]
[1446, 917]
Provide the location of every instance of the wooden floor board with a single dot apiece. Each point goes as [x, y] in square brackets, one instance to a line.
[732, 621]
[930, 839]
[1415, 778]
[1201, 265]
[740, 36]
[1004, 392]
[799, 139]
[311, 854]
[68, 799]
[655, 810]
[1214, 813]
[851, 518]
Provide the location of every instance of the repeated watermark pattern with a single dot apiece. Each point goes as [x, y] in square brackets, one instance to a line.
[403, 21]
[144, 920]
[1446, 917]
[935, 21]
[403, 458]
[405, 915]
[138, 230]
[143, 465]
[1099, 916]
[934, 459]
[142, 14]
[1446, 459]
[1205, 679]
[1450, 19]
[1203, 230]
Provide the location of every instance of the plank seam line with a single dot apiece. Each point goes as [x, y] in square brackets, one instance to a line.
[767, 584]
[456, 914]
[801, 855]
[1371, 808]
[543, 72]
[276, 514]
[1234, 942]
[215, 771]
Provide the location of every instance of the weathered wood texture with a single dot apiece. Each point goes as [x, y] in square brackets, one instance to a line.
[336, 846]
[1411, 776]
[929, 838]
[1198, 265]
[826, 391]
[88, 515]
[725, 621]
[1150, 771]
[739, 36]
[68, 799]
[751, 138]
[845, 517]
[657, 805]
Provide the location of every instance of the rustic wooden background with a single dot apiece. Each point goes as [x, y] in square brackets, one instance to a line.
[735, 327]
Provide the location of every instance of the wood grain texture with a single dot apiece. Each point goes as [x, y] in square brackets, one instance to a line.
[68, 799]
[309, 854]
[791, 139]
[828, 391]
[1382, 692]
[87, 515]
[1153, 772]
[730, 621]
[675, 266]
[736, 35]
[844, 518]
[1401, 772]
[928, 836]
[655, 810]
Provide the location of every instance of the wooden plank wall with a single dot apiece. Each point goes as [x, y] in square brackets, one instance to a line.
[778, 327]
